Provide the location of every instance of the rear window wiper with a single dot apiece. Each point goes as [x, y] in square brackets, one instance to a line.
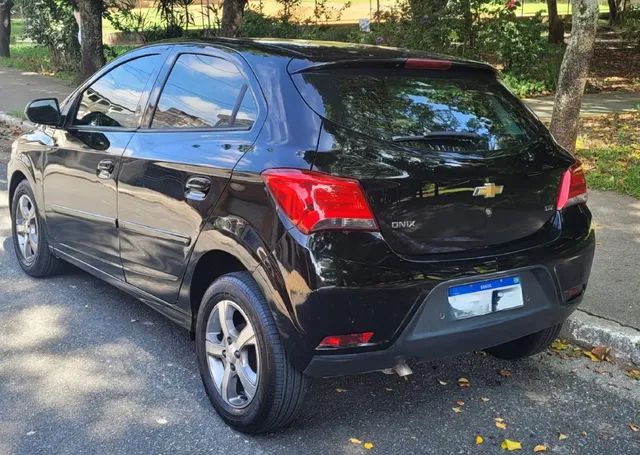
[438, 135]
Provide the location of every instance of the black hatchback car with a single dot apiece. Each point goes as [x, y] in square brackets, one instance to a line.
[308, 209]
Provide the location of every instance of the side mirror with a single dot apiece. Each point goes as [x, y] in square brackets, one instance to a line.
[44, 111]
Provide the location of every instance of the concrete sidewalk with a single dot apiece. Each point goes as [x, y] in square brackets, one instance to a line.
[613, 297]
[592, 104]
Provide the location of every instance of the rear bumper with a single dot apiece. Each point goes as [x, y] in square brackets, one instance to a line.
[432, 333]
[332, 287]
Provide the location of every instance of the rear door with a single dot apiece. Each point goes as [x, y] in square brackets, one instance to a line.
[202, 119]
[80, 171]
[450, 161]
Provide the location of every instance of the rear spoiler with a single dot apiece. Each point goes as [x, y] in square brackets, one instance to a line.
[429, 64]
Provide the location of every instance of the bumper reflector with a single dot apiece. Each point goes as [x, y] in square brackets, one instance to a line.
[345, 341]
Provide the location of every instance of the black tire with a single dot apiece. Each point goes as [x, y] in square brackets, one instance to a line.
[43, 263]
[280, 387]
[526, 346]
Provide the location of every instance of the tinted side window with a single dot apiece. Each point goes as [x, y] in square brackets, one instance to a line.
[112, 100]
[205, 92]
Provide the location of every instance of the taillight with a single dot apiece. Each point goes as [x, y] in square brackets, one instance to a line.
[427, 64]
[351, 340]
[573, 187]
[314, 201]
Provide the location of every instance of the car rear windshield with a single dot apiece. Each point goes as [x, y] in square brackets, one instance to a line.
[463, 112]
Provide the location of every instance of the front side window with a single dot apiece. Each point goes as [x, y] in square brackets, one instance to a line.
[205, 92]
[113, 99]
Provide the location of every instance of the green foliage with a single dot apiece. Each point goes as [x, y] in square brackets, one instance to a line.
[35, 58]
[516, 43]
[51, 24]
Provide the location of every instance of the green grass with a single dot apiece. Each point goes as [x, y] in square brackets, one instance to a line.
[615, 168]
[33, 58]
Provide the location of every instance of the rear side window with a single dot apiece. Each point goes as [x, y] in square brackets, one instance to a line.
[113, 99]
[464, 112]
[205, 92]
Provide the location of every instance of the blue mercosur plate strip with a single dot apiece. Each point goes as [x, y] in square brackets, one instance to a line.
[484, 285]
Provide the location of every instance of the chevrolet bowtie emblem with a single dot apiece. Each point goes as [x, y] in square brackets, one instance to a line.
[488, 190]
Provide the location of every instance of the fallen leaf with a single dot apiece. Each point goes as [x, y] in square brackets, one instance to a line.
[355, 441]
[460, 403]
[635, 428]
[601, 352]
[388, 389]
[562, 436]
[592, 356]
[485, 399]
[559, 345]
[479, 440]
[633, 374]
[457, 410]
[584, 433]
[540, 448]
[442, 382]
[499, 419]
[504, 373]
[510, 445]
[464, 383]
[368, 445]
[339, 390]
[501, 425]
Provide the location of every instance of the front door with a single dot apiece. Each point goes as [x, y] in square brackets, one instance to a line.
[174, 171]
[80, 189]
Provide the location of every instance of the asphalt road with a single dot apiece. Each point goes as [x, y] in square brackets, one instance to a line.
[85, 368]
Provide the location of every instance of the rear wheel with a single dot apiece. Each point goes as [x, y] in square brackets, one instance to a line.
[29, 235]
[243, 365]
[526, 346]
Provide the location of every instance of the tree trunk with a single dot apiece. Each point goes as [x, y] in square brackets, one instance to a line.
[91, 33]
[232, 12]
[613, 12]
[5, 27]
[556, 24]
[573, 73]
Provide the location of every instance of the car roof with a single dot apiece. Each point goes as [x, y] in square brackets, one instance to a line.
[321, 52]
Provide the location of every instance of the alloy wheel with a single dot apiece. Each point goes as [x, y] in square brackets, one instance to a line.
[26, 223]
[232, 354]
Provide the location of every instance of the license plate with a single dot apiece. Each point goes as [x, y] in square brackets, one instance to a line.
[485, 297]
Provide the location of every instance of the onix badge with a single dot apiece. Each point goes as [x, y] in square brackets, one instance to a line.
[488, 190]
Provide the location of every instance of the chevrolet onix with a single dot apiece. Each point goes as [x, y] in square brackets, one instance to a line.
[307, 209]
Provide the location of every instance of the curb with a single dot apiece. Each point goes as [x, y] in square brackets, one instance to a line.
[588, 331]
[14, 121]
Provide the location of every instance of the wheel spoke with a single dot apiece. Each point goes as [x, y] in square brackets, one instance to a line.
[33, 242]
[227, 381]
[25, 209]
[247, 384]
[213, 347]
[20, 229]
[246, 337]
[24, 247]
[223, 310]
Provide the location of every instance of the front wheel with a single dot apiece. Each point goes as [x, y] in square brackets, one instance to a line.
[30, 239]
[242, 362]
[526, 346]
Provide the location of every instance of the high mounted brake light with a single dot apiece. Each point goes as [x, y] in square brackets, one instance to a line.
[573, 187]
[427, 64]
[314, 201]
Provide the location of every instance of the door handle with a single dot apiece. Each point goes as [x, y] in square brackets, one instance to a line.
[105, 169]
[197, 188]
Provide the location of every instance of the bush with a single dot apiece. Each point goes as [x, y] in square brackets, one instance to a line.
[51, 24]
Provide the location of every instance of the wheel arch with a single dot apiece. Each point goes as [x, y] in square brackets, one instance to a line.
[217, 253]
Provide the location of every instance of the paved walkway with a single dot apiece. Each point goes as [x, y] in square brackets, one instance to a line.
[17, 88]
[592, 104]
